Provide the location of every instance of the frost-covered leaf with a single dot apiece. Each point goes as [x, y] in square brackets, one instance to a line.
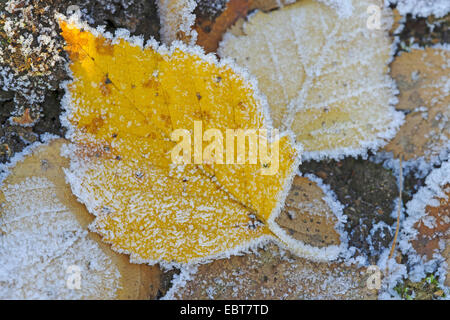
[25, 119]
[210, 30]
[434, 227]
[446, 255]
[368, 193]
[397, 23]
[312, 216]
[43, 240]
[123, 105]
[272, 274]
[31, 63]
[426, 231]
[324, 74]
[177, 19]
[422, 77]
[183, 19]
[422, 8]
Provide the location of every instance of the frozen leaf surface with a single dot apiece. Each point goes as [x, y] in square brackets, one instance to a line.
[273, 274]
[122, 106]
[177, 19]
[422, 8]
[324, 75]
[313, 216]
[210, 30]
[190, 20]
[422, 77]
[44, 240]
[307, 215]
[426, 231]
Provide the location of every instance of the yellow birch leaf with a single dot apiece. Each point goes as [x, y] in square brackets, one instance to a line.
[123, 105]
[324, 72]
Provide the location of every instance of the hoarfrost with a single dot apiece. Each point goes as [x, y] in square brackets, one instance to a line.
[30, 63]
[177, 19]
[417, 212]
[422, 8]
[40, 242]
[322, 74]
[272, 274]
[139, 191]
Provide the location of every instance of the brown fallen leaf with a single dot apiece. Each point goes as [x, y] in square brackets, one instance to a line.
[36, 192]
[426, 231]
[427, 241]
[210, 30]
[446, 255]
[422, 78]
[398, 18]
[177, 19]
[24, 119]
[274, 274]
[428, 238]
[307, 216]
[268, 5]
